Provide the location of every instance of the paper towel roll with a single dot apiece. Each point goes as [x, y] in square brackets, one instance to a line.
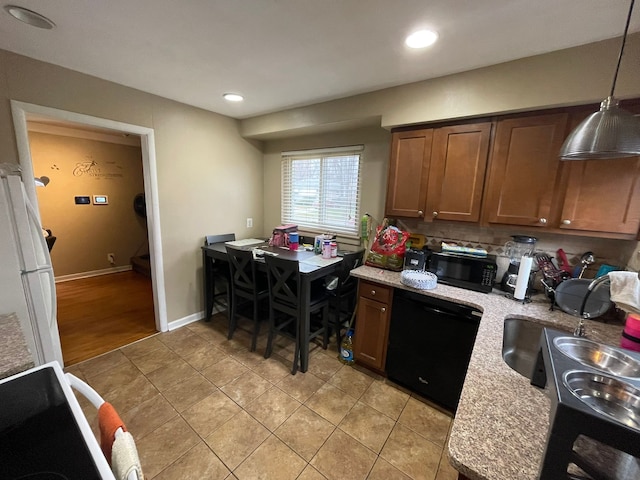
[523, 278]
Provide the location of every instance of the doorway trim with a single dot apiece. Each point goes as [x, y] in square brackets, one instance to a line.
[21, 111]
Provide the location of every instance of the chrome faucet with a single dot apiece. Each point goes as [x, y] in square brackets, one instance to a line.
[580, 329]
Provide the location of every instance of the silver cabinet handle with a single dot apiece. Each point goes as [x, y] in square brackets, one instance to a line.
[543, 221]
[373, 292]
[420, 213]
[435, 214]
[383, 309]
[566, 222]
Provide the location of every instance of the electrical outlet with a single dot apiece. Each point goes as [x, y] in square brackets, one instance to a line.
[249, 222]
[111, 258]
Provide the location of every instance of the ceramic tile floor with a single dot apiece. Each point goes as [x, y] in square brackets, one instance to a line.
[203, 407]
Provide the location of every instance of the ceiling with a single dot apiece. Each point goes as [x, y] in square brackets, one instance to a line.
[281, 54]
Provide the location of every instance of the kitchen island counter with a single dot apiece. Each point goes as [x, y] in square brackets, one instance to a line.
[500, 427]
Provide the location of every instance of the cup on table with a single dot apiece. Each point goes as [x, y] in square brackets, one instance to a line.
[294, 241]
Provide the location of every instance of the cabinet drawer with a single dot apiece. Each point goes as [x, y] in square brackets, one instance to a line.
[375, 291]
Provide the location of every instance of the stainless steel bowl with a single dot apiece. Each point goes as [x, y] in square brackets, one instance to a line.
[609, 396]
[606, 359]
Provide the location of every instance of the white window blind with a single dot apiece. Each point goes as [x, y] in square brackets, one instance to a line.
[321, 189]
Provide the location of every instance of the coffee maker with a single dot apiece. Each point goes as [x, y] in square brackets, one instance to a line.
[515, 249]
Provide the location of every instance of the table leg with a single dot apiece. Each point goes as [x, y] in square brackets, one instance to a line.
[305, 321]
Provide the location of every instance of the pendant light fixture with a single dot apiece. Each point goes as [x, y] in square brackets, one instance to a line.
[608, 133]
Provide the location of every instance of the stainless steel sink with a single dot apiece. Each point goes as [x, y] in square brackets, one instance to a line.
[601, 357]
[606, 395]
[520, 344]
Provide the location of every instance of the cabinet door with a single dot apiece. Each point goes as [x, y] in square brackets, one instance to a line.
[372, 333]
[602, 196]
[456, 177]
[409, 173]
[524, 168]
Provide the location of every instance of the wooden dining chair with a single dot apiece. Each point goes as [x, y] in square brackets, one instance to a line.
[284, 299]
[342, 298]
[220, 273]
[246, 283]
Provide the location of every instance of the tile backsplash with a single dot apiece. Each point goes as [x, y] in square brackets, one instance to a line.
[606, 251]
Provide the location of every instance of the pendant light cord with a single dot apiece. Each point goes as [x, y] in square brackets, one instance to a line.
[624, 40]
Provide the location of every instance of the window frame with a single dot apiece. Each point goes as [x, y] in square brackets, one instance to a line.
[322, 188]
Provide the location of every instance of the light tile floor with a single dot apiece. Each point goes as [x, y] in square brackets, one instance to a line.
[203, 407]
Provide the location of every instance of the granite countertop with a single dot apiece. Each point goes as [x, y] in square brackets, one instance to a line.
[14, 354]
[501, 424]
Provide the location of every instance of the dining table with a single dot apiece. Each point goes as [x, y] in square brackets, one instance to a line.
[310, 265]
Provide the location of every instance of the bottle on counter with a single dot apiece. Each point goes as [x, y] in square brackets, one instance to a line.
[346, 349]
[326, 249]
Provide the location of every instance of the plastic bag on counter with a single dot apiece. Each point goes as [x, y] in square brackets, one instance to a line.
[388, 248]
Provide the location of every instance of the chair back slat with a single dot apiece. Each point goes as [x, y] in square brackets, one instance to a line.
[243, 270]
[350, 260]
[284, 280]
[225, 237]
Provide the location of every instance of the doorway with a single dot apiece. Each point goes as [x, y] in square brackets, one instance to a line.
[23, 112]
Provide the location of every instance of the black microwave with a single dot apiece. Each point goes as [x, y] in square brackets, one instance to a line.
[464, 271]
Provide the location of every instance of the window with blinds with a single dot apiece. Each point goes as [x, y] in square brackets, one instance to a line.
[321, 189]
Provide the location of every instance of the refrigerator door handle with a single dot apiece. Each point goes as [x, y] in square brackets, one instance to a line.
[32, 214]
[53, 318]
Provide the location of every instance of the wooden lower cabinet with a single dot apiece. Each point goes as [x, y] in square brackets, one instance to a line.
[372, 324]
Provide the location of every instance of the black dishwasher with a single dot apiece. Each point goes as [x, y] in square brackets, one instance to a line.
[430, 343]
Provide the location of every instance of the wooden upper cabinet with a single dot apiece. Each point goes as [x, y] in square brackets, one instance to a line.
[602, 196]
[523, 170]
[456, 177]
[409, 173]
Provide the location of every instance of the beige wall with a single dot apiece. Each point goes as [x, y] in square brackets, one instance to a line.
[209, 178]
[573, 76]
[87, 233]
[375, 159]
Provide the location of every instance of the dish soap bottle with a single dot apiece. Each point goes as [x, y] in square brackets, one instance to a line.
[346, 349]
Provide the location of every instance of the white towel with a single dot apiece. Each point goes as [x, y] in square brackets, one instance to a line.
[124, 458]
[625, 290]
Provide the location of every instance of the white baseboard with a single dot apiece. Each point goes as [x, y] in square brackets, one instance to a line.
[93, 273]
[181, 322]
[194, 317]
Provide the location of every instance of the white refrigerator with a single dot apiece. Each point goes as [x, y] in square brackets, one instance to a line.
[27, 283]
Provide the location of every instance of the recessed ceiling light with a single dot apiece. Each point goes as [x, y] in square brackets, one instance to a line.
[233, 97]
[29, 17]
[421, 39]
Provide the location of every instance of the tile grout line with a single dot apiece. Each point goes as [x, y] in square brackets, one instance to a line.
[234, 353]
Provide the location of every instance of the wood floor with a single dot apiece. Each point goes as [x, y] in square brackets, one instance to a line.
[99, 314]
